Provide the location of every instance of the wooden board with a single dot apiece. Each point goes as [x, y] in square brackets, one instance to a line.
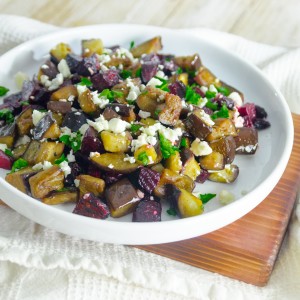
[246, 249]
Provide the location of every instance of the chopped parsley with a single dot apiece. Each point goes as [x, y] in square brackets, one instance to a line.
[183, 142]
[223, 90]
[131, 45]
[191, 96]
[24, 102]
[110, 95]
[222, 113]
[172, 212]
[164, 85]
[125, 74]
[8, 152]
[19, 164]
[143, 157]
[135, 128]
[157, 112]
[72, 142]
[138, 72]
[206, 197]
[166, 147]
[61, 159]
[3, 91]
[210, 94]
[131, 102]
[7, 115]
[213, 106]
[85, 81]
[179, 71]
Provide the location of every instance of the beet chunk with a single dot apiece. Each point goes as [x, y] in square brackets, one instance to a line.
[91, 142]
[112, 177]
[5, 161]
[74, 120]
[177, 88]
[148, 71]
[91, 206]
[75, 171]
[248, 112]
[73, 62]
[88, 66]
[147, 211]
[105, 80]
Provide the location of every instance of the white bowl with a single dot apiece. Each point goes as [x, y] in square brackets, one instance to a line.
[258, 174]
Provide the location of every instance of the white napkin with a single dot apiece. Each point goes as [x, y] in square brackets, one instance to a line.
[39, 263]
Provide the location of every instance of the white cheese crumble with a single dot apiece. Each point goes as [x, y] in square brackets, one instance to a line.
[37, 116]
[204, 89]
[71, 157]
[161, 74]
[22, 140]
[100, 101]
[200, 148]
[84, 128]
[142, 139]
[71, 98]
[134, 91]
[117, 125]
[117, 109]
[238, 101]
[213, 89]
[64, 69]
[65, 167]
[206, 118]
[104, 58]
[76, 182]
[81, 89]
[111, 166]
[100, 124]
[92, 154]
[3, 147]
[226, 197]
[44, 67]
[237, 119]
[54, 83]
[144, 114]
[131, 159]
[154, 82]
[42, 166]
[123, 53]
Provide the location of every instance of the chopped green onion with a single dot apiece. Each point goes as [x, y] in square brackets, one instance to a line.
[73, 142]
[213, 106]
[210, 94]
[206, 197]
[166, 147]
[131, 45]
[3, 91]
[85, 81]
[8, 152]
[19, 164]
[135, 128]
[179, 71]
[164, 85]
[110, 95]
[222, 113]
[138, 72]
[143, 157]
[183, 142]
[223, 90]
[125, 74]
[191, 96]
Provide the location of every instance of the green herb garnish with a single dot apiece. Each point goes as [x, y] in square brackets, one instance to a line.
[131, 102]
[61, 159]
[191, 96]
[179, 71]
[143, 157]
[138, 72]
[157, 112]
[19, 164]
[223, 90]
[131, 45]
[183, 142]
[206, 197]
[85, 81]
[135, 128]
[24, 102]
[72, 142]
[125, 74]
[172, 212]
[210, 94]
[166, 147]
[164, 85]
[213, 106]
[7, 115]
[3, 91]
[8, 152]
[222, 113]
[110, 95]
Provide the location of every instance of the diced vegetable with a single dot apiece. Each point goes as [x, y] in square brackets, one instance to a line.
[246, 141]
[147, 211]
[225, 146]
[90, 184]
[59, 197]
[228, 175]
[150, 46]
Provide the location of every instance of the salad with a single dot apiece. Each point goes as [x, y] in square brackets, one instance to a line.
[116, 131]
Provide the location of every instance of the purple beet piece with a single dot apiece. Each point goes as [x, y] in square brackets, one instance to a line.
[94, 171]
[203, 176]
[91, 142]
[111, 177]
[83, 161]
[147, 211]
[5, 161]
[75, 78]
[88, 66]
[167, 61]
[146, 179]
[105, 80]
[151, 58]
[199, 91]
[29, 88]
[51, 69]
[177, 88]
[248, 112]
[260, 112]
[260, 123]
[75, 171]
[74, 120]
[148, 71]
[73, 62]
[13, 100]
[207, 110]
[220, 100]
[91, 206]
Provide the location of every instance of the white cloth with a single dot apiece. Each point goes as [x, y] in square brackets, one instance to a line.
[38, 263]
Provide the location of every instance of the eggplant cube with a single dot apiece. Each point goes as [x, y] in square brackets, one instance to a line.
[91, 206]
[147, 211]
[91, 184]
[246, 141]
[122, 198]
[7, 134]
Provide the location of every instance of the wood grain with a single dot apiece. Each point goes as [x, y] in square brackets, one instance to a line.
[269, 21]
[246, 249]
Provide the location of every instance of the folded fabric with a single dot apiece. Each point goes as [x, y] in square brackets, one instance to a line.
[39, 263]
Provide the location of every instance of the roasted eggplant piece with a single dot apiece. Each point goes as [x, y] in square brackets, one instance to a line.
[174, 162]
[90, 184]
[86, 102]
[59, 107]
[68, 92]
[150, 46]
[190, 166]
[46, 181]
[185, 203]
[228, 175]
[115, 142]
[199, 124]
[170, 177]
[146, 155]
[114, 162]
[19, 150]
[170, 114]
[46, 128]
[49, 69]
[17, 179]
[7, 134]
[74, 120]
[122, 198]
[225, 146]
[222, 127]
[24, 121]
[59, 52]
[59, 197]
[91, 206]
[246, 141]
[147, 211]
[124, 111]
[188, 63]
[213, 161]
[91, 46]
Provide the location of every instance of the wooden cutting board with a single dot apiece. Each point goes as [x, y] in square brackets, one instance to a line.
[246, 249]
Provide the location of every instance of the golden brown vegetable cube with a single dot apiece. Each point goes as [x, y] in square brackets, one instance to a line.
[189, 63]
[115, 142]
[17, 179]
[68, 92]
[174, 162]
[91, 46]
[46, 181]
[228, 175]
[24, 121]
[53, 132]
[7, 134]
[206, 77]
[49, 151]
[86, 103]
[190, 166]
[150, 46]
[145, 155]
[222, 127]
[213, 161]
[122, 198]
[225, 146]
[19, 151]
[60, 52]
[90, 184]
[171, 112]
[59, 197]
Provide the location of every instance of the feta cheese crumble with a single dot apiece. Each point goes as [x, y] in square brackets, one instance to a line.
[134, 91]
[22, 140]
[65, 167]
[54, 83]
[238, 101]
[153, 82]
[131, 159]
[144, 114]
[200, 148]
[37, 116]
[42, 166]
[3, 147]
[76, 182]
[64, 69]
[71, 157]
